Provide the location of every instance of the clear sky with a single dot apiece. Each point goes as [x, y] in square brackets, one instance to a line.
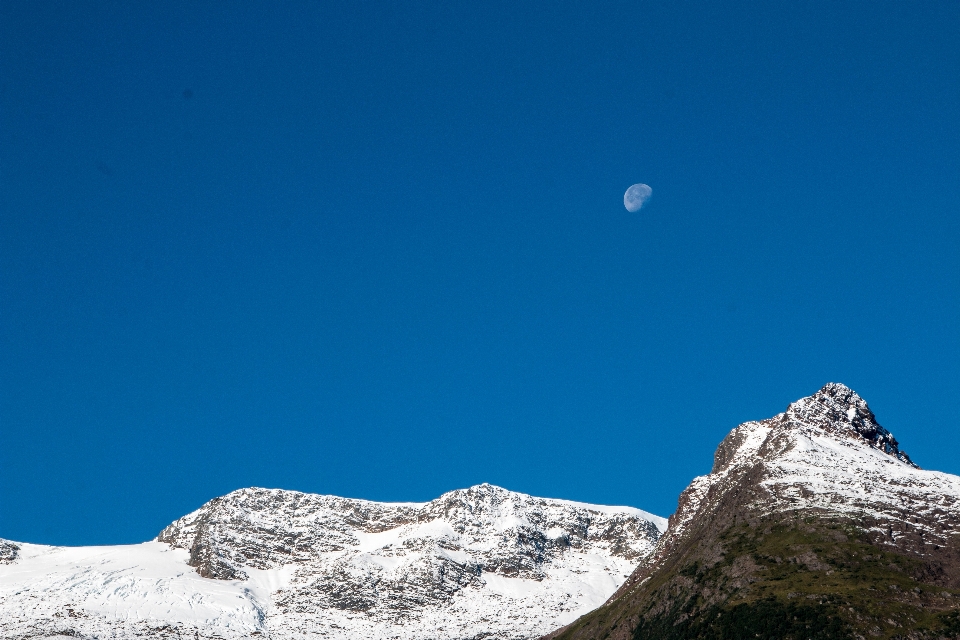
[380, 251]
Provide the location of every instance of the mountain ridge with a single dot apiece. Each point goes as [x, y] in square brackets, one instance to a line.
[476, 562]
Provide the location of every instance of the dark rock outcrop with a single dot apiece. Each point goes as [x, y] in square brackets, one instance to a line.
[8, 551]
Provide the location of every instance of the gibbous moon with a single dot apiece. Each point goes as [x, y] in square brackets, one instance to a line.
[635, 196]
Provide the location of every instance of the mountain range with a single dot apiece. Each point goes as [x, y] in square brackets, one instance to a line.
[812, 524]
[481, 562]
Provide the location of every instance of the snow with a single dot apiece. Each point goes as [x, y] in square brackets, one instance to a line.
[852, 479]
[478, 562]
[148, 581]
[826, 453]
[468, 542]
[640, 513]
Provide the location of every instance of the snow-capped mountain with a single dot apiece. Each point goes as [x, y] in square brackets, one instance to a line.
[827, 453]
[481, 562]
[813, 523]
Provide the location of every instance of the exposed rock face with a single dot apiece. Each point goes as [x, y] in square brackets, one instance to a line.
[811, 524]
[269, 528]
[481, 562]
[8, 551]
[392, 560]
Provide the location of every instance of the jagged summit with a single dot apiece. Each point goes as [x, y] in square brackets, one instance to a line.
[835, 414]
[826, 451]
[836, 408]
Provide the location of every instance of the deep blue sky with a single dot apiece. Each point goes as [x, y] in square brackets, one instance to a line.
[381, 251]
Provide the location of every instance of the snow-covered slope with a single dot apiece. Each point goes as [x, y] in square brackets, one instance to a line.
[482, 562]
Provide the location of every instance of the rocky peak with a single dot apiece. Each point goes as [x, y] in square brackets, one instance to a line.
[839, 410]
[480, 500]
[835, 412]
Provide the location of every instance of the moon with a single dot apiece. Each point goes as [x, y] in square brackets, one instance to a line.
[635, 196]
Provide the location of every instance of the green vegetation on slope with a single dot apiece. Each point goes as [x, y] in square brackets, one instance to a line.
[763, 619]
[805, 579]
